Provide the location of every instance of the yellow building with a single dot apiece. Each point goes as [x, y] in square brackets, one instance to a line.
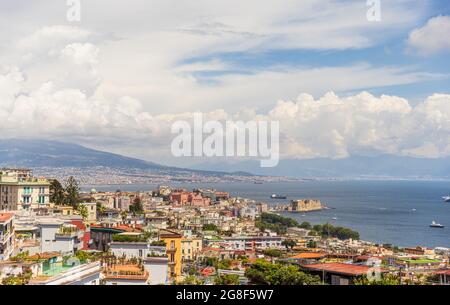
[91, 208]
[190, 247]
[64, 210]
[20, 191]
[173, 249]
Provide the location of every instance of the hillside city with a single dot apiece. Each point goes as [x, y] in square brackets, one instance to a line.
[52, 233]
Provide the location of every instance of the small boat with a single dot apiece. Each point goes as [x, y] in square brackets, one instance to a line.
[446, 198]
[435, 225]
[257, 182]
[334, 218]
[413, 210]
[275, 196]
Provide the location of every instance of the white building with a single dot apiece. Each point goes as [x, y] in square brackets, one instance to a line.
[158, 269]
[254, 242]
[6, 235]
[129, 249]
[249, 211]
[56, 236]
[154, 259]
[20, 191]
[11, 268]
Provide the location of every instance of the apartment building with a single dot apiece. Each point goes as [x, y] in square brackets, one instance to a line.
[20, 191]
[57, 236]
[91, 208]
[173, 249]
[6, 235]
[254, 242]
[190, 248]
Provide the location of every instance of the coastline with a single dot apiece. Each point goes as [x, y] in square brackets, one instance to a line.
[382, 211]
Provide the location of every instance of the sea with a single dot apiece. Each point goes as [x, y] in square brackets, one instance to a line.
[385, 212]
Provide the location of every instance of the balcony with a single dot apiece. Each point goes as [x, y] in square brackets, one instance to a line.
[171, 250]
[67, 232]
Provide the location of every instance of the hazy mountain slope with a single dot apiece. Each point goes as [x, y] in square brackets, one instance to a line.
[45, 153]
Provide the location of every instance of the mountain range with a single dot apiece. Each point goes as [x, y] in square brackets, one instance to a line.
[55, 154]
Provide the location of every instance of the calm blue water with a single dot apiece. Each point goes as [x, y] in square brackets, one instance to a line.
[381, 211]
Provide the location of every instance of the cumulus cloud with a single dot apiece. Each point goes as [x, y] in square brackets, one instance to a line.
[331, 126]
[432, 38]
[69, 83]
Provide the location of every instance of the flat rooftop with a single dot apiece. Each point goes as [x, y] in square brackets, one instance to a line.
[339, 268]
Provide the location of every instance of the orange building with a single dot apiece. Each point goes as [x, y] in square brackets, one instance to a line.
[173, 249]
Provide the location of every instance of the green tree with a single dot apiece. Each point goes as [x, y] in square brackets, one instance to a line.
[386, 279]
[72, 192]
[305, 225]
[83, 256]
[124, 215]
[190, 280]
[82, 209]
[265, 273]
[211, 261]
[273, 252]
[224, 264]
[100, 208]
[226, 279]
[57, 195]
[289, 243]
[311, 244]
[21, 279]
[209, 227]
[20, 257]
[136, 207]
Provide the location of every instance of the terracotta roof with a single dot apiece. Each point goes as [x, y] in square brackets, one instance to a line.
[207, 271]
[340, 268]
[309, 255]
[6, 216]
[165, 233]
[445, 272]
[367, 257]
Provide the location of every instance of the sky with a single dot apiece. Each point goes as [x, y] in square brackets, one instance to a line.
[339, 84]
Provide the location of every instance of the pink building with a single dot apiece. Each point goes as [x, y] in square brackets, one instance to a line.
[179, 197]
[196, 199]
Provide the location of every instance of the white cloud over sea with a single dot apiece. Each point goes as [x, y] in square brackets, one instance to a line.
[119, 83]
[330, 126]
